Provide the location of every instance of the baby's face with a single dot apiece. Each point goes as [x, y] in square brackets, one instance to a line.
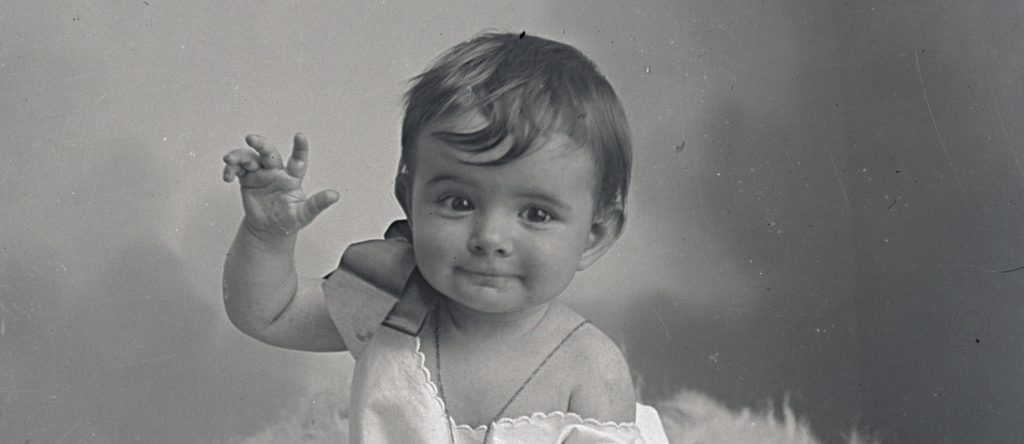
[500, 238]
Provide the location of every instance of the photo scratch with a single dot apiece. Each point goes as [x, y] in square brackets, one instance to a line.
[77, 423]
[142, 362]
[663, 326]
[1002, 125]
[839, 179]
[993, 271]
[1011, 270]
[942, 142]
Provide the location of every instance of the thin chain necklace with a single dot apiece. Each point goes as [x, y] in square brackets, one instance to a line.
[440, 384]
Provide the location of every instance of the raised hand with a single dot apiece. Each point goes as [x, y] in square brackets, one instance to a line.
[272, 195]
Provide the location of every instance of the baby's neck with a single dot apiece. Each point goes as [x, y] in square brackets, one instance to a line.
[464, 321]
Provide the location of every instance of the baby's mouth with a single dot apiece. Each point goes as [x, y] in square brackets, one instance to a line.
[488, 276]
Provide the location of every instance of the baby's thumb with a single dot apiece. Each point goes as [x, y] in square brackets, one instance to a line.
[319, 202]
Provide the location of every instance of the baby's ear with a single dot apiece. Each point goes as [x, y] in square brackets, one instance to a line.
[604, 232]
[403, 192]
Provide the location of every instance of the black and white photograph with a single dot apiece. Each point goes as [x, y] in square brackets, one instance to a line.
[396, 221]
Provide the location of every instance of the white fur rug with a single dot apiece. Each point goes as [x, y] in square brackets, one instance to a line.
[689, 418]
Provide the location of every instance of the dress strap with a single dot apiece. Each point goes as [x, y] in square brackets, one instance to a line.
[536, 370]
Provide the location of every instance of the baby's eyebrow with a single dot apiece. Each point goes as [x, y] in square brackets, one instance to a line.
[444, 177]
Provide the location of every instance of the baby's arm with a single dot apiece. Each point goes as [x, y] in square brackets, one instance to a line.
[604, 388]
[263, 294]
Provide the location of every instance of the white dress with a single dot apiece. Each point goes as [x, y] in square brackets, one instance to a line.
[394, 400]
[380, 303]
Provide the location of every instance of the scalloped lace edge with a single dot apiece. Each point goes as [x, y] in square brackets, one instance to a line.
[432, 388]
[524, 419]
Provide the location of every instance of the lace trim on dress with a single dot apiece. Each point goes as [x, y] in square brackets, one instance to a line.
[431, 387]
[525, 419]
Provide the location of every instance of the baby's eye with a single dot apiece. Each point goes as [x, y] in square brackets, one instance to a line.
[536, 215]
[456, 203]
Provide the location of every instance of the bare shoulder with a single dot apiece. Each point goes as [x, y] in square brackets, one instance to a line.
[602, 385]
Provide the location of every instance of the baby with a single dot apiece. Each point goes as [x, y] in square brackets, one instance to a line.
[513, 176]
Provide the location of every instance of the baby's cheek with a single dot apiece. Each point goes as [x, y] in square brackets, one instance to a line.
[429, 254]
[551, 274]
[432, 266]
[436, 247]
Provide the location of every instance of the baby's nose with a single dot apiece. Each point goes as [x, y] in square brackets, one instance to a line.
[490, 237]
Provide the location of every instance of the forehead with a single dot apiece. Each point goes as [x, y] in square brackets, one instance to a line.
[554, 161]
[471, 121]
[466, 122]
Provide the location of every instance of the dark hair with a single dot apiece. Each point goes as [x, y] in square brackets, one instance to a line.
[526, 87]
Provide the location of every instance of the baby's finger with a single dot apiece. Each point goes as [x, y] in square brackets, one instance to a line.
[319, 202]
[244, 159]
[230, 171]
[251, 164]
[300, 154]
[269, 156]
[240, 156]
[233, 171]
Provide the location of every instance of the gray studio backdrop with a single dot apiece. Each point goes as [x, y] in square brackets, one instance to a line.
[827, 206]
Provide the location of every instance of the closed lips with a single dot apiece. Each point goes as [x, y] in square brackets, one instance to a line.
[485, 273]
